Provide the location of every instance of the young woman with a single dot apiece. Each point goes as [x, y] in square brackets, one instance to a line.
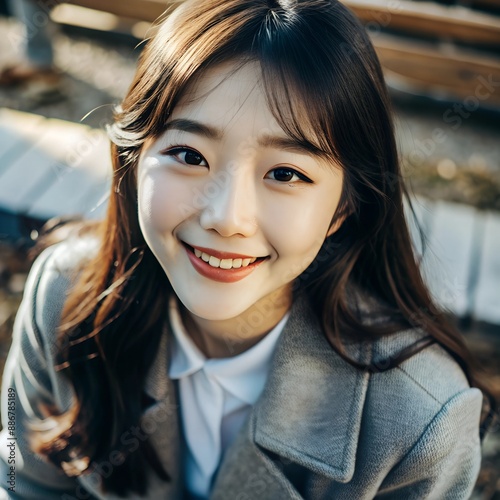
[249, 320]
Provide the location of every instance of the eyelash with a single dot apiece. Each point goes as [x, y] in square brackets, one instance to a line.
[301, 177]
[176, 150]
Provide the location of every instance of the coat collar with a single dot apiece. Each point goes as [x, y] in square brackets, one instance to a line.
[161, 422]
[310, 411]
[157, 381]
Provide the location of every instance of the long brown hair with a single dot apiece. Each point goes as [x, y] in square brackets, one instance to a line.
[320, 72]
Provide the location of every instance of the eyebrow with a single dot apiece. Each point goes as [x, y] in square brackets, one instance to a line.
[195, 127]
[265, 141]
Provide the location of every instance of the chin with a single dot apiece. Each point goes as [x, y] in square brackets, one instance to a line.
[215, 309]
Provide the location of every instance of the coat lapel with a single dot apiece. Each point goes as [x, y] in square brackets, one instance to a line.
[249, 472]
[309, 415]
[160, 425]
[161, 422]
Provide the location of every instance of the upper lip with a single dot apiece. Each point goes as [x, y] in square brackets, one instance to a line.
[222, 255]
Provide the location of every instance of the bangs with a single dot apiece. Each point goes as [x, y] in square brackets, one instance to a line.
[299, 109]
[318, 85]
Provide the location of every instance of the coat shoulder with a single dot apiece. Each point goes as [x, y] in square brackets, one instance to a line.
[53, 273]
[30, 370]
[428, 417]
[402, 402]
[433, 372]
[49, 282]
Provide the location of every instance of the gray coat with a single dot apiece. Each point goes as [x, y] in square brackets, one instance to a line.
[321, 429]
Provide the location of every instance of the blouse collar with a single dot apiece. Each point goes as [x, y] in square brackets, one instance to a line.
[243, 375]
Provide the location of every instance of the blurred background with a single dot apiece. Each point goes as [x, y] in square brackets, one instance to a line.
[65, 65]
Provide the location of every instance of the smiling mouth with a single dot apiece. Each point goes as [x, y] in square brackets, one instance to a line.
[223, 261]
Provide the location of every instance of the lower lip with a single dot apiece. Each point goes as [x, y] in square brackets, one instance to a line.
[218, 274]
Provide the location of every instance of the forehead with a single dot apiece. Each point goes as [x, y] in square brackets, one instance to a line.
[230, 102]
[227, 93]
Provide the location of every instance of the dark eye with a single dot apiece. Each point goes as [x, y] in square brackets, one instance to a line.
[193, 158]
[186, 155]
[285, 174]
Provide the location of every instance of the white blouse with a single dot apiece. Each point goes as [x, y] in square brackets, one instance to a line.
[216, 396]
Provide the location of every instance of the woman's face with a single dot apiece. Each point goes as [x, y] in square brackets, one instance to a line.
[224, 183]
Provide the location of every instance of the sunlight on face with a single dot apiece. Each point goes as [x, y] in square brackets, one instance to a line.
[224, 183]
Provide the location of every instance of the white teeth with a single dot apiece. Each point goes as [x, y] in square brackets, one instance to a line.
[223, 263]
[226, 263]
[214, 261]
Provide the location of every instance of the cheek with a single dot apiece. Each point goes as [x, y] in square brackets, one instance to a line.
[299, 230]
[163, 203]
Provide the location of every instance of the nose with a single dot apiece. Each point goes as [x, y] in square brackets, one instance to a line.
[231, 210]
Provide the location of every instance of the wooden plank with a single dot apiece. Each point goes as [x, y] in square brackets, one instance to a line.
[446, 263]
[39, 166]
[16, 125]
[17, 131]
[462, 74]
[145, 10]
[487, 297]
[429, 19]
[88, 173]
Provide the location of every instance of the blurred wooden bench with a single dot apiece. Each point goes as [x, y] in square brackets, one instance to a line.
[426, 47]
[49, 168]
[445, 51]
[431, 19]
[146, 10]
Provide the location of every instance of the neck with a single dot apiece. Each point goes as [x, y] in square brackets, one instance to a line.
[230, 337]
